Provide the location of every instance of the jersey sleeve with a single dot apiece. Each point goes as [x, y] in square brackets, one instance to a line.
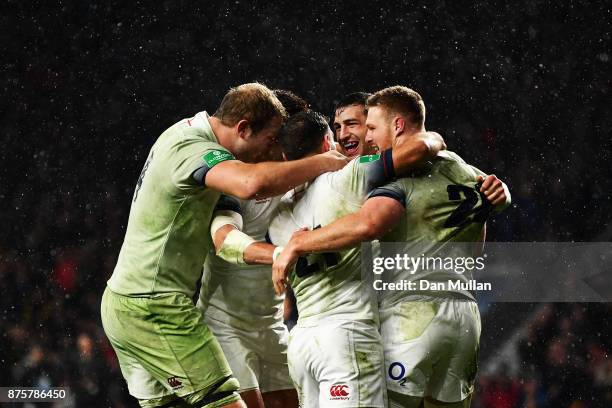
[463, 165]
[477, 171]
[362, 175]
[193, 158]
[398, 190]
[229, 203]
[281, 225]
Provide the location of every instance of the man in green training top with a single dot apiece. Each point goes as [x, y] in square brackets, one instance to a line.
[167, 354]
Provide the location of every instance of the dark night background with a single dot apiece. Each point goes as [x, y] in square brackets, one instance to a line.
[521, 90]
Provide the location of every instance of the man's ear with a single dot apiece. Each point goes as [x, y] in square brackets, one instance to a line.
[399, 124]
[326, 145]
[243, 129]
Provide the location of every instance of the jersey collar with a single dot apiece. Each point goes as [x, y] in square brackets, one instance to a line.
[201, 120]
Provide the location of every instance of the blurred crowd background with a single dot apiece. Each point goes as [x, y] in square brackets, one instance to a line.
[519, 89]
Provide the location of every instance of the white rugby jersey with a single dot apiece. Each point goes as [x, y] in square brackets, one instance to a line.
[330, 285]
[242, 296]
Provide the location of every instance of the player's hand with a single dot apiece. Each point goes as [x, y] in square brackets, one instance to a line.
[281, 267]
[333, 160]
[434, 141]
[494, 190]
[285, 262]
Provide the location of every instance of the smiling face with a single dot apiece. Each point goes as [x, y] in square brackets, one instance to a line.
[350, 129]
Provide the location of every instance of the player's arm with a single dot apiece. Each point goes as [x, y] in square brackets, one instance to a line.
[268, 179]
[363, 175]
[231, 243]
[234, 246]
[376, 217]
[408, 152]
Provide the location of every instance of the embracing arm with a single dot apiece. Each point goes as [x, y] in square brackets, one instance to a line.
[408, 152]
[375, 218]
[411, 151]
[268, 179]
[233, 245]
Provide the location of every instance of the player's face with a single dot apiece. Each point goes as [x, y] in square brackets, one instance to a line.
[379, 129]
[350, 129]
[263, 145]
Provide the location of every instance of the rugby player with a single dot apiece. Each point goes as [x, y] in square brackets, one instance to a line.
[430, 339]
[238, 299]
[335, 352]
[167, 354]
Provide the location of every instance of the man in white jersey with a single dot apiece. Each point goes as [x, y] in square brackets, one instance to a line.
[430, 338]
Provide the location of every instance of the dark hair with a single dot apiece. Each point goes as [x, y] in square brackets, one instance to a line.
[291, 102]
[400, 100]
[253, 102]
[355, 98]
[302, 134]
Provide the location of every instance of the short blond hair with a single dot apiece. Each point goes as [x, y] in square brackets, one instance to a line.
[400, 100]
[253, 102]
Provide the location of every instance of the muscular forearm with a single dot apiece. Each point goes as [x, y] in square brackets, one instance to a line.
[376, 217]
[255, 253]
[409, 152]
[345, 232]
[274, 178]
[249, 181]
[259, 253]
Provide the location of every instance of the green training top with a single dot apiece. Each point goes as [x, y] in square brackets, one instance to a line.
[168, 238]
[444, 208]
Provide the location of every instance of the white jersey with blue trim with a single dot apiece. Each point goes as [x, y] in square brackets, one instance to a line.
[242, 296]
[330, 285]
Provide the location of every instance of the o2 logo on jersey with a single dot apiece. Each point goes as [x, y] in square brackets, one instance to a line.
[339, 392]
[397, 372]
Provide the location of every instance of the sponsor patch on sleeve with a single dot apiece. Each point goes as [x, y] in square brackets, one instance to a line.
[214, 157]
[369, 158]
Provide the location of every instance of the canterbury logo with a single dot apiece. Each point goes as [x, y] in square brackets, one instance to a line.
[174, 382]
[339, 391]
